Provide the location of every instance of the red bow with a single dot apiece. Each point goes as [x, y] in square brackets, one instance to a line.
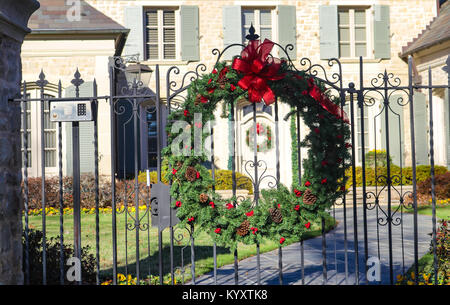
[258, 67]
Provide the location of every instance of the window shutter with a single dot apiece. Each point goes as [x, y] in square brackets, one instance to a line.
[86, 135]
[381, 33]
[420, 128]
[329, 31]
[190, 49]
[287, 32]
[134, 20]
[396, 131]
[447, 124]
[232, 30]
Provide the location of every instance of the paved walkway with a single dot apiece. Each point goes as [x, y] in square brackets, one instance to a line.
[402, 253]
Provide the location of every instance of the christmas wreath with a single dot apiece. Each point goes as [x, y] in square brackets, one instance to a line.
[281, 213]
[262, 130]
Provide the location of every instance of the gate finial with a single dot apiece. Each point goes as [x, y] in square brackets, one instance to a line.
[252, 35]
[42, 82]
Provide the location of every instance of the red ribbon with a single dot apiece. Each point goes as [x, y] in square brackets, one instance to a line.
[258, 67]
[328, 105]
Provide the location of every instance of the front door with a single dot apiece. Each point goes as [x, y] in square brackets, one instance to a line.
[265, 142]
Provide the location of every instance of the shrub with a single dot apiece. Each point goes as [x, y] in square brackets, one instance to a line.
[124, 189]
[381, 156]
[422, 173]
[442, 186]
[223, 178]
[224, 181]
[124, 192]
[53, 251]
[426, 263]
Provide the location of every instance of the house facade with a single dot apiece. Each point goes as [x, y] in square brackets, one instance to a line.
[183, 33]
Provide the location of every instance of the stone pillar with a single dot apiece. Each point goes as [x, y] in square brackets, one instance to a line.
[14, 15]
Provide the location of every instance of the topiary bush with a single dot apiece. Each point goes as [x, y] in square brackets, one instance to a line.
[53, 252]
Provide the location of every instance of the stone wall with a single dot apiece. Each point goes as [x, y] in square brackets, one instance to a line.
[10, 176]
[13, 20]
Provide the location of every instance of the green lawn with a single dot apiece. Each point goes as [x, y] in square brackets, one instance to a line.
[442, 211]
[148, 251]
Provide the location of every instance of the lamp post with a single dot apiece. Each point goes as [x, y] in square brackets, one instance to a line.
[138, 74]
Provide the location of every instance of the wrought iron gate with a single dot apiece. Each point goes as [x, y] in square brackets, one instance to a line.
[138, 202]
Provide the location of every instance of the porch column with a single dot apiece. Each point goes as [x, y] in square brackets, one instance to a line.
[14, 15]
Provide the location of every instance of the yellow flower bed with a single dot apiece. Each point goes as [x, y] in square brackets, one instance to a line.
[130, 280]
[50, 211]
[423, 279]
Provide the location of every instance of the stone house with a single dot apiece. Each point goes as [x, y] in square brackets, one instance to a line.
[430, 51]
[184, 33]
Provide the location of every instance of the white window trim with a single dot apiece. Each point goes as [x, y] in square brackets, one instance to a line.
[35, 145]
[160, 10]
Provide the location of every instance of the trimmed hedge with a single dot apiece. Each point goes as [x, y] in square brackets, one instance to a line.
[422, 174]
[223, 177]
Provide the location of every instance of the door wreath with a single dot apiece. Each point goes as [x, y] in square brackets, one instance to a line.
[262, 130]
[282, 213]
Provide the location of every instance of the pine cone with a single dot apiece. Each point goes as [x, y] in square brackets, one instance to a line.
[309, 198]
[203, 198]
[191, 174]
[243, 229]
[276, 215]
[197, 100]
[222, 82]
[179, 164]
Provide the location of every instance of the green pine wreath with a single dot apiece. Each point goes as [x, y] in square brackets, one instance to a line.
[281, 213]
[266, 131]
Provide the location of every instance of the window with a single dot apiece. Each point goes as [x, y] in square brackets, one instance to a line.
[260, 107]
[49, 136]
[353, 32]
[160, 33]
[28, 148]
[261, 20]
[34, 129]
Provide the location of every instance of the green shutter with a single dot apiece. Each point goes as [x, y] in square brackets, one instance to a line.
[287, 32]
[381, 33]
[86, 135]
[420, 128]
[232, 30]
[134, 20]
[190, 49]
[396, 131]
[329, 33]
[447, 124]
